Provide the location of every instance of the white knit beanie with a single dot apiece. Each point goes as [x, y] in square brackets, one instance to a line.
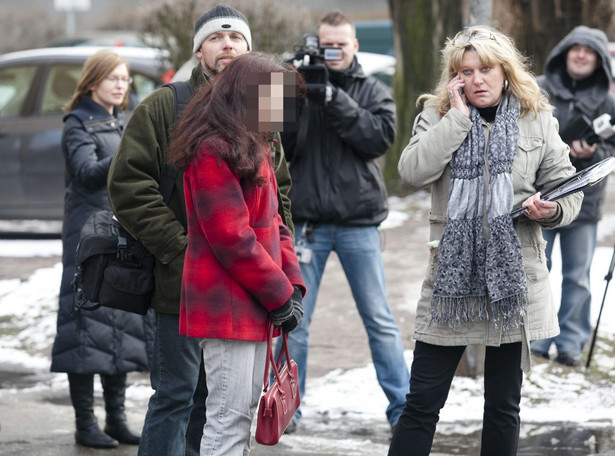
[219, 19]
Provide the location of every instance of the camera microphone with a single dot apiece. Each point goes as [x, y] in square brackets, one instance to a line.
[603, 126]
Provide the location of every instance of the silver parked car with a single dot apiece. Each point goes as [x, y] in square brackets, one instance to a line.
[34, 86]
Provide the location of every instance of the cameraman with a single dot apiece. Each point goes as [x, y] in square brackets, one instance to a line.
[577, 79]
[339, 198]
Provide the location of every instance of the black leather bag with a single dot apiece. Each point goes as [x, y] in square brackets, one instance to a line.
[113, 269]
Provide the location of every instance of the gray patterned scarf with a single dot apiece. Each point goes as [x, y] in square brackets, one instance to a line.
[475, 281]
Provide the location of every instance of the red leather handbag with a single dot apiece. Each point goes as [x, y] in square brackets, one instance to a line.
[279, 401]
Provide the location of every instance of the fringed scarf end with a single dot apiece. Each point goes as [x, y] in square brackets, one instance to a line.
[510, 311]
[454, 311]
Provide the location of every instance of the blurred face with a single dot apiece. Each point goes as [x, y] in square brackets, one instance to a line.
[271, 102]
[341, 36]
[581, 61]
[267, 102]
[219, 49]
[112, 90]
[483, 83]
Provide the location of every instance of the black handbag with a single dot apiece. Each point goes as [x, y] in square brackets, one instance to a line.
[113, 269]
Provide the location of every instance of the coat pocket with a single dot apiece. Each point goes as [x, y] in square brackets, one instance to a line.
[528, 152]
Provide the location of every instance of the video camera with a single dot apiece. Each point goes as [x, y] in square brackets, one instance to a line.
[592, 131]
[308, 60]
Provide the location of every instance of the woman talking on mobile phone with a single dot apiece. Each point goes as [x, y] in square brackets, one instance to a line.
[483, 150]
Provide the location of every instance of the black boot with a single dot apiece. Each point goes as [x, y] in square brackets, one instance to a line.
[88, 433]
[114, 392]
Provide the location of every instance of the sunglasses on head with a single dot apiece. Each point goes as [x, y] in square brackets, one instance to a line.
[464, 37]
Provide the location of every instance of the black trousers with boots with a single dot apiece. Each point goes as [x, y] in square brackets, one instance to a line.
[88, 434]
[114, 393]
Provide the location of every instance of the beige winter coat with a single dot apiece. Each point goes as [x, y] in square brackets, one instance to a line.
[541, 161]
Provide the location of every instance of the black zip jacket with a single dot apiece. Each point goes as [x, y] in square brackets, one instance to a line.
[333, 157]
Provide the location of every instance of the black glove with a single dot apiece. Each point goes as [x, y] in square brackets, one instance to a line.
[289, 314]
[341, 79]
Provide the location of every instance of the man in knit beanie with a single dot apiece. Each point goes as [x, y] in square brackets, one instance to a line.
[220, 35]
[176, 411]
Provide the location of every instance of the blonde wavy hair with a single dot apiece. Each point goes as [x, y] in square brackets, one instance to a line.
[95, 69]
[493, 48]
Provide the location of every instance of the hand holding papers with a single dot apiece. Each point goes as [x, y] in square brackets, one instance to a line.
[576, 183]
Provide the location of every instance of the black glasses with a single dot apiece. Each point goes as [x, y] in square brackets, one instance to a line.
[464, 37]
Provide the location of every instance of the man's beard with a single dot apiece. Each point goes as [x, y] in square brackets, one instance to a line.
[213, 71]
[217, 68]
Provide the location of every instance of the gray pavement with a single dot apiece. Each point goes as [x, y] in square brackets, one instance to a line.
[37, 419]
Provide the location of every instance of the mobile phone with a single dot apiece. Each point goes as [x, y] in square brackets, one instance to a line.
[460, 89]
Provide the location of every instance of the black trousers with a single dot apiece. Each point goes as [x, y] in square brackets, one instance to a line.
[432, 373]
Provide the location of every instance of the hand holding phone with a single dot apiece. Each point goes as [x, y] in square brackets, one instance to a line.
[456, 95]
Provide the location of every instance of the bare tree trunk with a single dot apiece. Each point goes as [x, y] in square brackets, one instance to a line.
[538, 25]
[420, 28]
[481, 12]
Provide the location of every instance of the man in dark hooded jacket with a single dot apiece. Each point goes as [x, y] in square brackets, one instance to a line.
[577, 78]
[339, 199]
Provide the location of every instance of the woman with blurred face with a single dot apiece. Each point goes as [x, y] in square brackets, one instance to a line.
[240, 267]
[106, 341]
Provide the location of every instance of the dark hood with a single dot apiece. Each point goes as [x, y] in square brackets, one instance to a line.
[555, 66]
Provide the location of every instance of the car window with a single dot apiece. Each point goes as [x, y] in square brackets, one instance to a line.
[62, 80]
[59, 87]
[15, 84]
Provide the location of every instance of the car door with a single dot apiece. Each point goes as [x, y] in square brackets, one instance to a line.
[42, 175]
[18, 87]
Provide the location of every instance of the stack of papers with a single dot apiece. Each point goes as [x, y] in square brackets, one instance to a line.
[576, 183]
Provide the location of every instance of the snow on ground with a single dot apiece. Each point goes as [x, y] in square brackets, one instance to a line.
[352, 397]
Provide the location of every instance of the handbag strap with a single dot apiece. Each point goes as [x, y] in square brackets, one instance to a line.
[276, 366]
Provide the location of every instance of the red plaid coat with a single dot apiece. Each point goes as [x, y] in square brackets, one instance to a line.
[240, 262]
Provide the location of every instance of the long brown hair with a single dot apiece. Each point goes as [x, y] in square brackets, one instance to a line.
[95, 69]
[216, 115]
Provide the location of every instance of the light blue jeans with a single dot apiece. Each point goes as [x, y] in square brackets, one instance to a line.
[234, 371]
[358, 249]
[577, 245]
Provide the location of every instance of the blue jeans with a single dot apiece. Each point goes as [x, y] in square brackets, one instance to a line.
[358, 249]
[234, 370]
[577, 245]
[176, 411]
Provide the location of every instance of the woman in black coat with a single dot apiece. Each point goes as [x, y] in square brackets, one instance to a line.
[105, 341]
